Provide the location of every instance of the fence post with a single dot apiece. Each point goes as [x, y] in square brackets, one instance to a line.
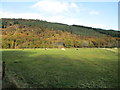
[3, 70]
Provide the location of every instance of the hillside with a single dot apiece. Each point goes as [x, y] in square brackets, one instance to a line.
[76, 29]
[28, 33]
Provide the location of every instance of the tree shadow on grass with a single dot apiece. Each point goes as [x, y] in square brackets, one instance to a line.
[52, 71]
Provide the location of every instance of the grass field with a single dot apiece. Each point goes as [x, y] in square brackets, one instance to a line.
[55, 68]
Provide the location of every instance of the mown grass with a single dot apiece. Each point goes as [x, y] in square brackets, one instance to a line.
[54, 68]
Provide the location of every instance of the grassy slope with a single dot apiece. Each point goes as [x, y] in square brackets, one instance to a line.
[56, 68]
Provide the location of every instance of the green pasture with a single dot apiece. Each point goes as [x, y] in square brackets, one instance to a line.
[56, 68]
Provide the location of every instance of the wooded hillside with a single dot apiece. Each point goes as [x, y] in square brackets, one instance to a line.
[28, 33]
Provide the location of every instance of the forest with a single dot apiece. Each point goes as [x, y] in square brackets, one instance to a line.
[34, 33]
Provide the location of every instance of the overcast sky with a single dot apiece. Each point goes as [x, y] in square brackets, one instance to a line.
[95, 14]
